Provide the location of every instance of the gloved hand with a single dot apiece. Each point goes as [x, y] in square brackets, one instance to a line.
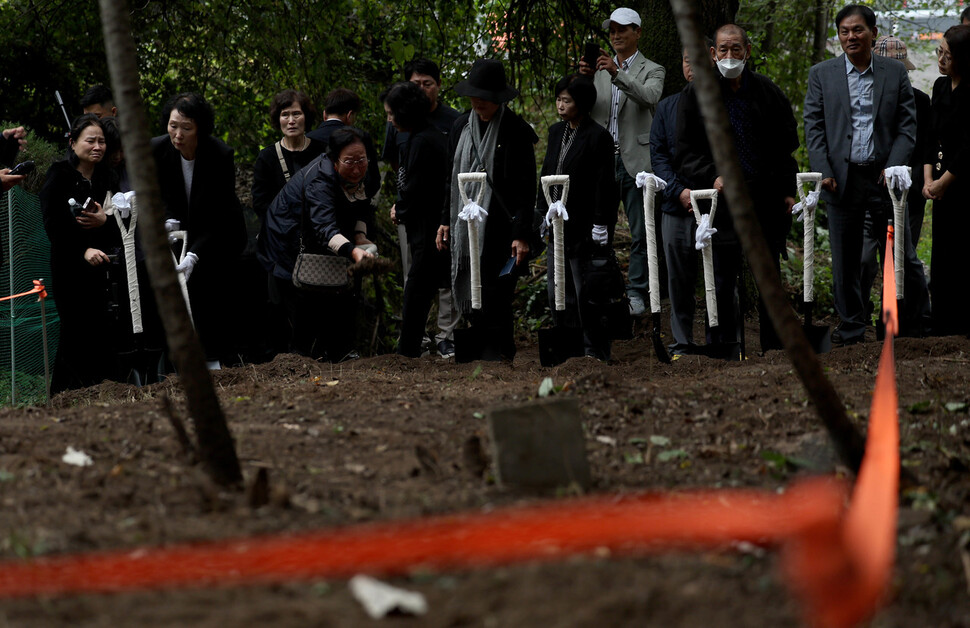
[601, 235]
[899, 177]
[172, 225]
[704, 233]
[191, 259]
[810, 202]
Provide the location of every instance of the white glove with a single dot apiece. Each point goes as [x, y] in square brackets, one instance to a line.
[172, 225]
[643, 177]
[810, 202]
[556, 209]
[191, 259]
[600, 235]
[473, 211]
[899, 177]
[123, 203]
[704, 233]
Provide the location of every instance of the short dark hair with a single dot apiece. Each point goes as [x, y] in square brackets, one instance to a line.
[191, 105]
[731, 27]
[341, 139]
[342, 101]
[958, 39]
[856, 9]
[581, 89]
[81, 122]
[965, 15]
[112, 135]
[286, 98]
[96, 95]
[420, 65]
[408, 103]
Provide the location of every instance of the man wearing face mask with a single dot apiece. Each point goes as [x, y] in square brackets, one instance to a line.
[765, 135]
[628, 88]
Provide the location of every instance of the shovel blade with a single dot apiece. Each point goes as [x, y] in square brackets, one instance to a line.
[658, 345]
[476, 344]
[558, 344]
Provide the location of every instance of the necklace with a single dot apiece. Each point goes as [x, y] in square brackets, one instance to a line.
[306, 142]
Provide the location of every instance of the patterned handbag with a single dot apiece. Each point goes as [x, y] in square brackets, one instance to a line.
[314, 271]
[320, 271]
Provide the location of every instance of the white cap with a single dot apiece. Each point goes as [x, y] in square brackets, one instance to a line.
[622, 16]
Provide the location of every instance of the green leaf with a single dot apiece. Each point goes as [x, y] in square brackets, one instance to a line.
[659, 441]
[6, 476]
[633, 458]
[546, 388]
[478, 415]
[956, 406]
[673, 454]
[476, 372]
[636, 440]
[920, 407]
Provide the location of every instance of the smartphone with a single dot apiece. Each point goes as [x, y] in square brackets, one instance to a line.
[591, 54]
[24, 167]
[507, 269]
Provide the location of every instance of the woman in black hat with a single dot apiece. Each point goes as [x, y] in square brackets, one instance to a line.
[582, 149]
[494, 140]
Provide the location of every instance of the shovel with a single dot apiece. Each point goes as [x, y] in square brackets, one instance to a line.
[899, 244]
[476, 342]
[720, 350]
[818, 335]
[650, 186]
[562, 342]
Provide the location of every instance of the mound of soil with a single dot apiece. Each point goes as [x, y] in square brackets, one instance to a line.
[388, 438]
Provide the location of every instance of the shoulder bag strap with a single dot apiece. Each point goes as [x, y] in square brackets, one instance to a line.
[279, 153]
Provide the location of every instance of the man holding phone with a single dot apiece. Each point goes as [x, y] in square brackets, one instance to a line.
[628, 88]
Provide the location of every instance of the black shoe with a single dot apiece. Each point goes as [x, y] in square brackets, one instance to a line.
[839, 341]
[446, 349]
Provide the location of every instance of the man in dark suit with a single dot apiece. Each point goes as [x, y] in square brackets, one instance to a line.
[860, 118]
[340, 109]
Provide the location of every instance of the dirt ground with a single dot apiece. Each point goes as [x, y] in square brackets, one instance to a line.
[386, 438]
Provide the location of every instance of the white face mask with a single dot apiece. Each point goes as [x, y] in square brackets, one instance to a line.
[730, 68]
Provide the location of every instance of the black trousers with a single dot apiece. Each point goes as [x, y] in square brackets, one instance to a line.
[323, 325]
[429, 268]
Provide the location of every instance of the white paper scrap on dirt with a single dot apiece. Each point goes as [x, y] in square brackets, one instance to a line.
[379, 599]
[77, 458]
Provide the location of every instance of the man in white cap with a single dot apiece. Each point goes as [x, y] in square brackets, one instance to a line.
[628, 88]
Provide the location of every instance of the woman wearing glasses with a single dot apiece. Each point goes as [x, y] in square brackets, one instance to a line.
[947, 183]
[327, 207]
[197, 177]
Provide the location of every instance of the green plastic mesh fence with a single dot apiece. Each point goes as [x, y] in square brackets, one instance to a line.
[26, 257]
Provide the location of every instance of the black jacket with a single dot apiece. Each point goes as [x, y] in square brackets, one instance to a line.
[213, 216]
[323, 132]
[425, 179]
[268, 177]
[593, 191]
[329, 214]
[950, 130]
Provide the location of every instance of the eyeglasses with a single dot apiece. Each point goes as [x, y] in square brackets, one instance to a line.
[353, 163]
[943, 54]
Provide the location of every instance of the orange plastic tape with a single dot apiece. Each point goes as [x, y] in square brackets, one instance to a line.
[37, 289]
[635, 524]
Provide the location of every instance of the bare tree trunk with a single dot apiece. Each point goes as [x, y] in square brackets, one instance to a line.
[215, 445]
[821, 31]
[847, 439]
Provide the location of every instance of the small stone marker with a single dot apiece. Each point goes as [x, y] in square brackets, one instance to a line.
[539, 445]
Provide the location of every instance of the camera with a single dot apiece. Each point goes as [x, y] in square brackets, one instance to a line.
[78, 208]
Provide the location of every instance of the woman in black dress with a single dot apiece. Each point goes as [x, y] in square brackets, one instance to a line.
[582, 149]
[947, 183]
[81, 243]
[197, 177]
[423, 189]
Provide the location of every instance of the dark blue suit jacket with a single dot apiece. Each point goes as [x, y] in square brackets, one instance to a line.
[663, 146]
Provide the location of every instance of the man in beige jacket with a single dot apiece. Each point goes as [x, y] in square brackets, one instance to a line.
[628, 88]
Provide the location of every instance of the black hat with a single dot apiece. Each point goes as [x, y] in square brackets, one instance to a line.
[486, 80]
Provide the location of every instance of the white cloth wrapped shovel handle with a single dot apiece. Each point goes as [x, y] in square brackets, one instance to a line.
[555, 217]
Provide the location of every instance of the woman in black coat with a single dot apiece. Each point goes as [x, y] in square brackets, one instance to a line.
[422, 190]
[197, 177]
[81, 243]
[582, 149]
[291, 113]
[492, 139]
[326, 206]
[947, 183]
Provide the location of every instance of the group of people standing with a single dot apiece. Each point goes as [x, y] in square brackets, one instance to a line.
[312, 192]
